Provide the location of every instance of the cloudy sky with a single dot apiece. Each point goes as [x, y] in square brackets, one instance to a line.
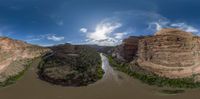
[102, 22]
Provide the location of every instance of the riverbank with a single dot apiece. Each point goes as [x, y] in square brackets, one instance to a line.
[30, 87]
[14, 78]
[151, 78]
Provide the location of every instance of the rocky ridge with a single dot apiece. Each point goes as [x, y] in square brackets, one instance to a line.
[14, 55]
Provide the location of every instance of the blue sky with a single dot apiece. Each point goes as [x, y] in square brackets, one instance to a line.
[102, 22]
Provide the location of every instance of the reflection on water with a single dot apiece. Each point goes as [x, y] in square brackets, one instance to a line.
[114, 85]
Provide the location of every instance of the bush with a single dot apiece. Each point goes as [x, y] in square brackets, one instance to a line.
[154, 79]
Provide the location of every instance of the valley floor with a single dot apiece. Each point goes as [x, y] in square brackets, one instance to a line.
[30, 87]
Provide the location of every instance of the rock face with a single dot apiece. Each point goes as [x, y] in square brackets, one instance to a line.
[12, 56]
[127, 50]
[171, 53]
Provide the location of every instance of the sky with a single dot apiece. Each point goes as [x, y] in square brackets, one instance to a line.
[101, 22]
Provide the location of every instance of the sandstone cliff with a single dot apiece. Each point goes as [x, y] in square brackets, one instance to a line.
[13, 54]
[171, 53]
[127, 50]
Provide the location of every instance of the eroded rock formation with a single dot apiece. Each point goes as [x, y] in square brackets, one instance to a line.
[127, 50]
[13, 54]
[171, 53]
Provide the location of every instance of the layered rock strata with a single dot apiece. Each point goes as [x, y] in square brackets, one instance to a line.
[14, 55]
[171, 53]
[127, 50]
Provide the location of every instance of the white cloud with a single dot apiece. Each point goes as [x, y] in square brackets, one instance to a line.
[167, 24]
[111, 31]
[177, 24]
[84, 30]
[158, 26]
[120, 35]
[186, 27]
[105, 34]
[192, 29]
[55, 38]
[32, 38]
[103, 30]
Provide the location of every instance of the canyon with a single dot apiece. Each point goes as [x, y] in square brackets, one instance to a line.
[15, 56]
[170, 53]
[64, 64]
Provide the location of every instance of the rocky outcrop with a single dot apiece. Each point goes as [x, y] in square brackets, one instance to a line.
[171, 53]
[13, 54]
[127, 50]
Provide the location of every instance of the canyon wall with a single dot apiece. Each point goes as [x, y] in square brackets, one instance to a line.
[14, 55]
[171, 53]
[127, 50]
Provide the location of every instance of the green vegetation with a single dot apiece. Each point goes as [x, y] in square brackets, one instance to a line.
[153, 79]
[172, 91]
[71, 65]
[13, 79]
[100, 72]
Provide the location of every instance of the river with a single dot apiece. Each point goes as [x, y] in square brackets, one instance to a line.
[114, 85]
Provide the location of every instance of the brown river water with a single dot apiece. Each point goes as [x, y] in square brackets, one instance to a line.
[114, 85]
